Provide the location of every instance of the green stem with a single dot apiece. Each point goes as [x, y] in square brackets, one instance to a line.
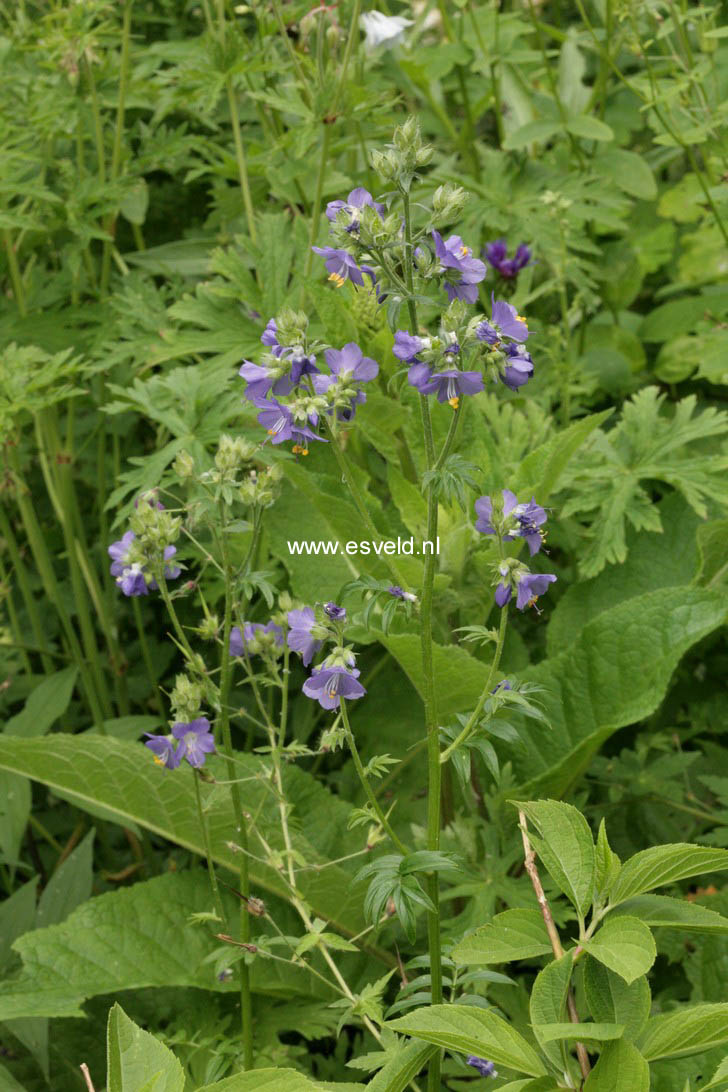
[21, 574]
[118, 137]
[434, 769]
[317, 201]
[305, 90]
[246, 1001]
[382, 818]
[241, 161]
[473, 718]
[220, 910]
[15, 276]
[146, 655]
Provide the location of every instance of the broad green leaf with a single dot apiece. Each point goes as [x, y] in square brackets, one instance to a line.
[588, 1033]
[8, 1082]
[69, 886]
[681, 316]
[120, 777]
[530, 132]
[606, 865]
[45, 705]
[620, 1066]
[541, 1084]
[629, 171]
[624, 945]
[721, 1074]
[661, 865]
[547, 1006]
[612, 1000]
[468, 1030]
[712, 538]
[513, 934]
[566, 848]
[590, 128]
[17, 914]
[267, 1080]
[656, 910]
[136, 1061]
[396, 1075]
[14, 811]
[134, 938]
[540, 471]
[690, 1029]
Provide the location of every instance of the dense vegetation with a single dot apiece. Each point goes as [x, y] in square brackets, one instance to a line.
[275, 274]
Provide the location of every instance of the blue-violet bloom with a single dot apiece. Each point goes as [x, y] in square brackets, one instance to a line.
[196, 740]
[454, 254]
[300, 638]
[449, 385]
[519, 366]
[167, 751]
[329, 684]
[496, 254]
[240, 640]
[483, 1066]
[407, 346]
[335, 612]
[356, 201]
[530, 518]
[342, 267]
[131, 576]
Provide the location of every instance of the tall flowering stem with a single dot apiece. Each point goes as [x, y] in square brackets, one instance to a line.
[473, 718]
[434, 767]
[366, 785]
[208, 850]
[246, 1003]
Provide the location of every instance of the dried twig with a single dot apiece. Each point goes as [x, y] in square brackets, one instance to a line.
[87, 1077]
[556, 945]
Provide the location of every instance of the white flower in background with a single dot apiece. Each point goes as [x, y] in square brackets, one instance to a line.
[382, 30]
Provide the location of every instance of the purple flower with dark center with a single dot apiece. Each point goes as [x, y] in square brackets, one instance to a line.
[449, 385]
[167, 752]
[483, 1066]
[241, 640]
[342, 267]
[300, 638]
[496, 254]
[196, 740]
[329, 684]
[453, 254]
[280, 426]
[519, 366]
[357, 200]
[407, 346]
[263, 381]
[335, 612]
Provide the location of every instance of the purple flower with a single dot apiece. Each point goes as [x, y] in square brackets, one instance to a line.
[329, 684]
[357, 200]
[342, 267]
[502, 685]
[166, 751]
[196, 740]
[400, 593]
[407, 346]
[335, 612]
[529, 519]
[300, 638]
[449, 385]
[241, 640]
[505, 322]
[483, 1066]
[270, 337]
[496, 254]
[280, 426]
[131, 576]
[350, 364]
[263, 380]
[530, 586]
[453, 254]
[519, 366]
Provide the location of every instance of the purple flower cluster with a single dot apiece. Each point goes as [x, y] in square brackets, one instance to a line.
[463, 272]
[254, 637]
[337, 677]
[357, 200]
[511, 520]
[192, 741]
[496, 255]
[505, 333]
[349, 368]
[131, 573]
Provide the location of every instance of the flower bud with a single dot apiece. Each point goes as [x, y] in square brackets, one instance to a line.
[184, 465]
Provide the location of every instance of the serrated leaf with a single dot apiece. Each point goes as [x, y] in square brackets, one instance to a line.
[136, 1061]
[469, 1030]
[661, 865]
[513, 934]
[47, 702]
[624, 945]
[612, 1000]
[661, 910]
[265, 1080]
[588, 1033]
[547, 1006]
[620, 1066]
[396, 1075]
[690, 1029]
[566, 848]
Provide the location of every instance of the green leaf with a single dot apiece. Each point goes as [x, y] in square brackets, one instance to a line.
[620, 1066]
[135, 202]
[566, 848]
[590, 128]
[136, 1061]
[661, 865]
[397, 1073]
[721, 1074]
[513, 934]
[688, 1030]
[8, 1082]
[69, 886]
[624, 945]
[629, 171]
[265, 1080]
[712, 538]
[134, 938]
[661, 910]
[529, 133]
[468, 1030]
[45, 705]
[682, 316]
[17, 914]
[587, 1033]
[612, 1000]
[93, 770]
[607, 865]
[547, 1006]
[540, 471]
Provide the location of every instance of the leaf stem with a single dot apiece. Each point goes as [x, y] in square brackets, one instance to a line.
[383, 820]
[473, 718]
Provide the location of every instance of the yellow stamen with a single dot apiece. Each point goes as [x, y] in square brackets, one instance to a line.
[520, 318]
[464, 252]
[158, 761]
[337, 279]
[271, 432]
[298, 450]
[454, 402]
